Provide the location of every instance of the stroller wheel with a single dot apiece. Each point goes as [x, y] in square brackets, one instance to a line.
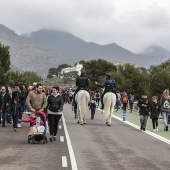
[43, 142]
[28, 140]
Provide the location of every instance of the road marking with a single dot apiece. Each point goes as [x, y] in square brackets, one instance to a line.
[70, 149]
[64, 161]
[61, 138]
[148, 132]
[60, 127]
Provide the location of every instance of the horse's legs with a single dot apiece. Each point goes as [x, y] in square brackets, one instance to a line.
[84, 120]
[78, 115]
[110, 117]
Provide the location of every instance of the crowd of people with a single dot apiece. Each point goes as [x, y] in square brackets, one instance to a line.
[13, 102]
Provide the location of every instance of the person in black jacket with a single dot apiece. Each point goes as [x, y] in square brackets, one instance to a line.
[15, 110]
[82, 83]
[144, 105]
[155, 111]
[0, 107]
[54, 108]
[6, 101]
[110, 86]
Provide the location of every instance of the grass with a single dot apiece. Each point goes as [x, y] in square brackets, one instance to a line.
[135, 119]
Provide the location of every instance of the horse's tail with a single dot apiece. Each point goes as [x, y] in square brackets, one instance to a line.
[107, 106]
[83, 106]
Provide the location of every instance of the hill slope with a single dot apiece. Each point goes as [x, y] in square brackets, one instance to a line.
[29, 56]
[75, 48]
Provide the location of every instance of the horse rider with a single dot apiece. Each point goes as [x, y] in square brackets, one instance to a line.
[110, 86]
[82, 83]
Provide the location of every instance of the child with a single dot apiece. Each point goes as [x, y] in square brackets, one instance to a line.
[93, 106]
[124, 100]
[155, 111]
[15, 110]
[144, 105]
[32, 118]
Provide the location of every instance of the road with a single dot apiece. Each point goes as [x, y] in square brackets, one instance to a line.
[95, 146]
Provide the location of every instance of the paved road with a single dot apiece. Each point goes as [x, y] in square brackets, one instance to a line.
[99, 147]
[17, 154]
[95, 145]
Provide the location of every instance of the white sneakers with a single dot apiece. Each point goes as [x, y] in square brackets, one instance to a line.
[156, 130]
[19, 125]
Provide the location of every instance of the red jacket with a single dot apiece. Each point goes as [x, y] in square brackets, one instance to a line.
[33, 121]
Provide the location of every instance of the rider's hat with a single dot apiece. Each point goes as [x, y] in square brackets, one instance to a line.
[108, 75]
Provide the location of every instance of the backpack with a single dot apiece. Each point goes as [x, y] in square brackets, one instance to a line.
[166, 104]
[93, 105]
[124, 100]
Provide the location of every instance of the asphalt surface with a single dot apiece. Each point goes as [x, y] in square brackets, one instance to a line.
[96, 146]
[118, 147]
[17, 154]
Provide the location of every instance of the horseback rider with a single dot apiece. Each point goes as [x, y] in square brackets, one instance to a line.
[82, 83]
[110, 86]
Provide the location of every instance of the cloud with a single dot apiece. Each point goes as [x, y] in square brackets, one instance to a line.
[132, 24]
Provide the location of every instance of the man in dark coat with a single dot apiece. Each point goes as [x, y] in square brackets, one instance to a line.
[110, 86]
[82, 83]
[6, 101]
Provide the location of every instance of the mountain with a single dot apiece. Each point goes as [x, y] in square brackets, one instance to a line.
[40, 50]
[29, 56]
[73, 47]
[156, 54]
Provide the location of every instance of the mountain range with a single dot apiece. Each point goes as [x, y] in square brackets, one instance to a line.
[40, 50]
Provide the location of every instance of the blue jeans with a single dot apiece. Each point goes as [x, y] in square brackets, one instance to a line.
[165, 119]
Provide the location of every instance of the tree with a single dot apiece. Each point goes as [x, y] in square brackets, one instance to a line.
[55, 71]
[21, 78]
[96, 71]
[4, 62]
[128, 78]
[159, 78]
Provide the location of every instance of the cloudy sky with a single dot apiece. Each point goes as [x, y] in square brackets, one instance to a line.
[132, 24]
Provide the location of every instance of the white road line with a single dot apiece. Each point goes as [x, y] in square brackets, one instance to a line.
[64, 161]
[148, 132]
[70, 149]
[59, 127]
[61, 138]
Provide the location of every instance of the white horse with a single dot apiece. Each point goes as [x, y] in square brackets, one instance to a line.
[109, 100]
[82, 99]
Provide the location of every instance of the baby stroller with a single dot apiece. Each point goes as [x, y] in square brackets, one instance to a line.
[37, 132]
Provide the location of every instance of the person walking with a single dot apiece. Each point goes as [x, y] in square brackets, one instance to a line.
[165, 107]
[124, 100]
[6, 101]
[155, 111]
[15, 110]
[54, 108]
[143, 104]
[36, 99]
[131, 101]
[93, 105]
[97, 96]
